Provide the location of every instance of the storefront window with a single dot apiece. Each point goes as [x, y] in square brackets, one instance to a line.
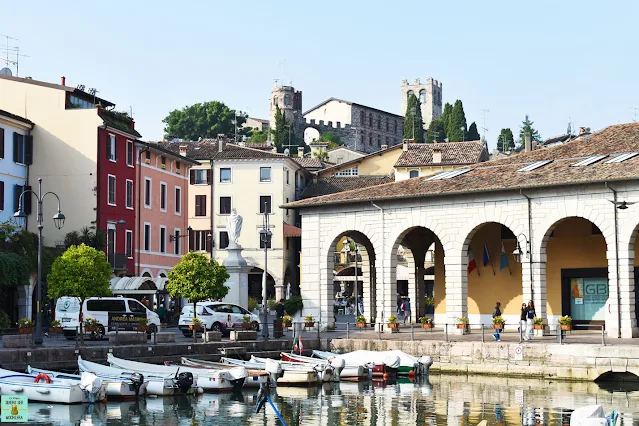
[588, 297]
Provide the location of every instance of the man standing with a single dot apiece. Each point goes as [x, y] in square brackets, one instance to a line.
[407, 310]
[497, 313]
[280, 311]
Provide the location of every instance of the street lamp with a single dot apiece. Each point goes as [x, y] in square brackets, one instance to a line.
[517, 253]
[58, 221]
[347, 243]
[265, 239]
[176, 237]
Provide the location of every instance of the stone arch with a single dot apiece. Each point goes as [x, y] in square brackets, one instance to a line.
[632, 247]
[255, 282]
[311, 133]
[162, 273]
[146, 272]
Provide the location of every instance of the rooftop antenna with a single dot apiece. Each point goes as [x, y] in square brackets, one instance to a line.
[569, 131]
[282, 71]
[634, 114]
[8, 49]
[484, 112]
[7, 43]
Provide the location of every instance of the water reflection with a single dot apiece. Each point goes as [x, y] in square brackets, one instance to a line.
[438, 400]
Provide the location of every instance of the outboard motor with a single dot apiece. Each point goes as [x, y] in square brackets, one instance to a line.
[184, 381]
[274, 370]
[425, 361]
[338, 365]
[138, 380]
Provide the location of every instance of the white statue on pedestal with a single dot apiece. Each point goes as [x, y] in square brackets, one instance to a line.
[234, 228]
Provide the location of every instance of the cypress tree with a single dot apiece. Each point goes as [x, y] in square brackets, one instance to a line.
[414, 116]
[436, 132]
[280, 134]
[473, 134]
[445, 118]
[505, 141]
[457, 128]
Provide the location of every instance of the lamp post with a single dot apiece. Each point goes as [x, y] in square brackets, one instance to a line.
[265, 238]
[347, 242]
[58, 221]
[517, 253]
[176, 237]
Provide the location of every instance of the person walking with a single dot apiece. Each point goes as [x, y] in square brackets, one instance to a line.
[497, 313]
[523, 318]
[280, 311]
[162, 313]
[407, 311]
[531, 314]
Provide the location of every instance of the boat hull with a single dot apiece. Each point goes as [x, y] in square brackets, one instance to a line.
[59, 391]
[254, 379]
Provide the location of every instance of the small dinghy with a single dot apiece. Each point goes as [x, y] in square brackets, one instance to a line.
[254, 380]
[165, 385]
[299, 376]
[392, 361]
[116, 388]
[323, 370]
[43, 388]
[594, 415]
[349, 372]
[228, 380]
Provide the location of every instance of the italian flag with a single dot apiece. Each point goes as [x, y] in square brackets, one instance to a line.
[472, 265]
[298, 345]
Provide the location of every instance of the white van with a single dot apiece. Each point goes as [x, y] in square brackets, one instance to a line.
[67, 311]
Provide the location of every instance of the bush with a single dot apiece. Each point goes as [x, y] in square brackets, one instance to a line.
[272, 304]
[293, 305]
[4, 320]
[252, 304]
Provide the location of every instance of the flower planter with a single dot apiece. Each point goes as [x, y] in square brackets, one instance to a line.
[498, 326]
[247, 326]
[427, 325]
[55, 330]
[538, 326]
[462, 325]
[287, 324]
[310, 324]
[195, 327]
[25, 330]
[90, 328]
[142, 327]
[393, 325]
[565, 327]
[361, 324]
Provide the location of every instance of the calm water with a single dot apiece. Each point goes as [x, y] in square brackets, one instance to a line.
[440, 400]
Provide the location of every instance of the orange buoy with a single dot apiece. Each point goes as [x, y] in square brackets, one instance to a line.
[385, 376]
[411, 373]
[42, 376]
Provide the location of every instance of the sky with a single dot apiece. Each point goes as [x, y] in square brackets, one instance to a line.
[557, 61]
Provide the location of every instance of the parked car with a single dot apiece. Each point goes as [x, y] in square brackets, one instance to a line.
[216, 316]
[67, 311]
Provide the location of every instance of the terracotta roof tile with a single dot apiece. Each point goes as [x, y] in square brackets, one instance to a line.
[310, 163]
[453, 153]
[207, 149]
[502, 174]
[335, 184]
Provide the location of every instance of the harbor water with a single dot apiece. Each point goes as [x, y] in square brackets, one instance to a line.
[436, 400]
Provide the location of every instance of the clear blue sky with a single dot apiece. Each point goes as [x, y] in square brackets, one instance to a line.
[550, 59]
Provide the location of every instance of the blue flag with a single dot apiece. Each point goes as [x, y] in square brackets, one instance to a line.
[486, 255]
[503, 260]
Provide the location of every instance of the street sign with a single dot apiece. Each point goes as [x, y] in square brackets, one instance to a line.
[125, 321]
[519, 353]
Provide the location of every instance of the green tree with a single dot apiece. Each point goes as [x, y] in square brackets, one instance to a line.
[334, 140]
[505, 141]
[281, 131]
[321, 155]
[82, 272]
[445, 118]
[436, 132]
[527, 127]
[473, 134]
[456, 130]
[197, 278]
[258, 136]
[203, 120]
[412, 118]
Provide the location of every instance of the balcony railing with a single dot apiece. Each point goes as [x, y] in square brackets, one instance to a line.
[118, 261]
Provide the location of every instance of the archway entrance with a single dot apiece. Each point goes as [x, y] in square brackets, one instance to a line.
[255, 285]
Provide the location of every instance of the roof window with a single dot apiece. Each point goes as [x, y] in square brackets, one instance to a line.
[620, 158]
[589, 160]
[535, 165]
[450, 174]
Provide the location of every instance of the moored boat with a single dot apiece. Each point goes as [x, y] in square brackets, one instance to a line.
[349, 372]
[385, 361]
[254, 379]
[323, 370]
[53, 390]
[208, 379]
[299, 375]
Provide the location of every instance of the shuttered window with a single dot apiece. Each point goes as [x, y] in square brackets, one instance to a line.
[200, 205]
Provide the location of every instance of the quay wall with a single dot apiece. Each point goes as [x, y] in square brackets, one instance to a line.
[585, 362]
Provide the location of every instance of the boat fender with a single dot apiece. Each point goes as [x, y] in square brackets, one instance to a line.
[185, 381]
[138, 380]
[42, 376]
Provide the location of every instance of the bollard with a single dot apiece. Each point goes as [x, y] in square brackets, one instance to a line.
[483, 340]
[412, 332]
[77, 335]
[155, 336]
[603, 336]
[560, 333]
[520, 332]
[379, 331]
[347, 331]
[446, 332]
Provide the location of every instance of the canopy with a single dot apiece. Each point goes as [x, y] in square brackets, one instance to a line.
[137, 285]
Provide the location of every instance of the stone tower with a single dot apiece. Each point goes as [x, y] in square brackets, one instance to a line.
[289, 101]
[429, 95]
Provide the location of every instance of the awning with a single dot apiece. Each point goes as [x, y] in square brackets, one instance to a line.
[292, 231]
[137, 285]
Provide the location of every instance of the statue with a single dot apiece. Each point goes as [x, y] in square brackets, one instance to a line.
[234, 227]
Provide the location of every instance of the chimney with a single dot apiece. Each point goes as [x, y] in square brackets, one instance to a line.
[437, 155]
[183, 150]
[220, 145]
[405, 145]
[300, 151]
[527, 143]
[63, 80]
[383, 147]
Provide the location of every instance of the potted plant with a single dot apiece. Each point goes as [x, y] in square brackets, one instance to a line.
[143, 324]
[498, 323]
[462, 322]
[246, 322]
[565, 323]
[91, 325]
[287, 321]
[392, 322]
[539, 324]
[360, 321]
[429, 304]
[308, 321]
[55, 327]
[427, 322]
[195, 325]
[25, 326]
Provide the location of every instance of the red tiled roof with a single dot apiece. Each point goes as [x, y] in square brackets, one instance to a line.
[452, 153]
[207, 149]
[291, 231]
[334, 184]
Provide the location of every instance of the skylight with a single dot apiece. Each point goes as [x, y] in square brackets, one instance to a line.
[449, 175]
[589, 160]
[535, 165]
[620, 158]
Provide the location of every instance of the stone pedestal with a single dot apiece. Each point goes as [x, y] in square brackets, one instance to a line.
[238, 281]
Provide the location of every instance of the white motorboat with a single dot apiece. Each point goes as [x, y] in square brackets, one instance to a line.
[403, 363]
[254, 380]
[208, 379]
[293, 376]
[349, 372]
[116, 388]
[53, 390]
[324, 371]
[161, 385]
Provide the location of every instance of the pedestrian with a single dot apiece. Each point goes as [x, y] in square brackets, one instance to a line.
[497, 313]
[407, 310]
[145, 301]
[530, 318]
[280, 311]
[399, 305]
[523, 318]
[161, 313]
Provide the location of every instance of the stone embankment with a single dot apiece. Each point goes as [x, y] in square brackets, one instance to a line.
[532, 360]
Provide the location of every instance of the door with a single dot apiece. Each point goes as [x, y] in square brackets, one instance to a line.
[111, 243]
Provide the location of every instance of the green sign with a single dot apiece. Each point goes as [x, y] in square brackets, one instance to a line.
[14, 408]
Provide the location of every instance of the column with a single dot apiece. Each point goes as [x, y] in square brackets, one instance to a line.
[280, 289]
[386, 288]
[367, 285]
[621, 306]
[456, 287]
[418, 306]
[412, 285]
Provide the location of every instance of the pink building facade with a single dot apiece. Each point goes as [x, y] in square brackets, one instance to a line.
[162, 210]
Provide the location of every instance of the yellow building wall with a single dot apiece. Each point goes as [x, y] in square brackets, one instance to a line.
[380, 164]
[403, 173]
[440, 280]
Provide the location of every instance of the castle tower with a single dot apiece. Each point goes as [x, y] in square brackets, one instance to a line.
[429, 95]
[289, 101]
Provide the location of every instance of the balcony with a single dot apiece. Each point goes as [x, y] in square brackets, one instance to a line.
[118, 261]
